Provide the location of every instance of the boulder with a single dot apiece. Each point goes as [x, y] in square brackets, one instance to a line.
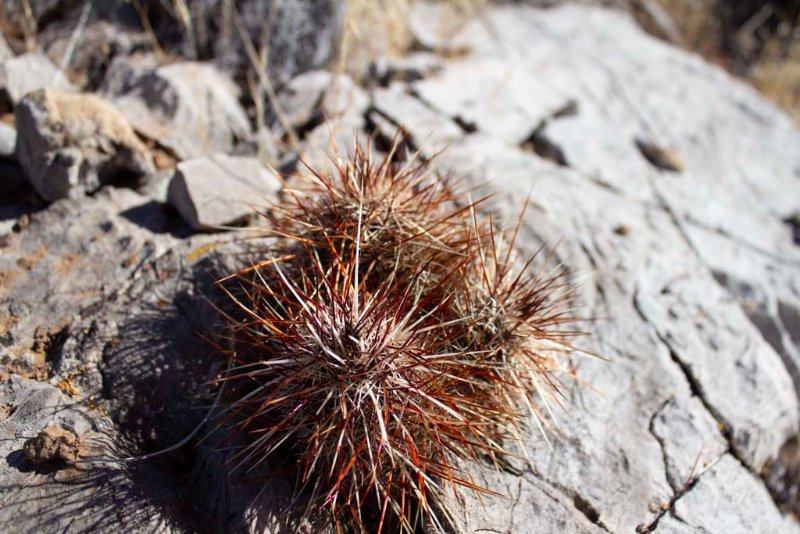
[219, 190]
[190, 108]
[29, 72]
[312, 96]
[71, 144]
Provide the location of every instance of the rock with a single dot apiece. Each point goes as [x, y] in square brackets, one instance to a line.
[190, 108]
[416, 66]
[71, 144]
[300, 99]
[52, 444]
[503, 99]
[428, 130]
[5, 51]
[315, 95]
[705, 371]
[68, 258]
[301, 35]
[720, 490]
[687, 433]
[331, 139]
[220, 190]
[660, 157]
[8, 140]
[599, 149]
[691, 280]
[29, 72]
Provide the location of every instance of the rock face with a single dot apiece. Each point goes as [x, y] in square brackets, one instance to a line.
[220, 190]
[70, 144]
[690, 272]
[190, 108]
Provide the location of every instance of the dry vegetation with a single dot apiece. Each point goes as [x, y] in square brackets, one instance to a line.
[758, 40]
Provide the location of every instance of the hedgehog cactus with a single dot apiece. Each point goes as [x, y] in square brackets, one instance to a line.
[388, 337]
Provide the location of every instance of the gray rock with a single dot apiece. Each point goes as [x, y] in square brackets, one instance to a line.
[410, 68]
[603, 151]
[301, 35]
[301, 97]
[503, 99]
[650, 240]
[71, 144]
[220, 190]
[30, 72]
[8, 140]
[691, 278]
[722, 490]
[190, 108]
[689, 437]
[428, 130]
[5, 51]
[317, 94]
[332, 139]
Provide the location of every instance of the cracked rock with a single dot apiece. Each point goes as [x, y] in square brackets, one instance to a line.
[71, 144]
[220, 190]
[690, 438]
[728, 498]
[428, 130]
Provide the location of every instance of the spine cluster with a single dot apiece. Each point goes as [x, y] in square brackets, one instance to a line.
[387, 335]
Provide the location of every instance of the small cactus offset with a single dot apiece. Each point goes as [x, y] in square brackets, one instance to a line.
[388, 335]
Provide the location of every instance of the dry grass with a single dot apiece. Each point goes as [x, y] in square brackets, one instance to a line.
[774, 69]
[777, 75]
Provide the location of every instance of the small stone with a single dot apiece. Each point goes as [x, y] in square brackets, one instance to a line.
[30, 72]
[71, 144]
[666, 159]
[219, 190]
[53, 444]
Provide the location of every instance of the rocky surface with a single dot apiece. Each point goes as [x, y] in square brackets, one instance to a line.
[665, 186]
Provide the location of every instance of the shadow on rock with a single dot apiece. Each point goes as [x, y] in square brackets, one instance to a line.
[157, 375]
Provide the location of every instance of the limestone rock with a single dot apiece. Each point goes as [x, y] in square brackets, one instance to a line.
[428, 130]
[220, 190]
[319, 94]
[190, 108]
[691, 278]
[8, 140]
[70, 144]
[301, 35]
[29, 72]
